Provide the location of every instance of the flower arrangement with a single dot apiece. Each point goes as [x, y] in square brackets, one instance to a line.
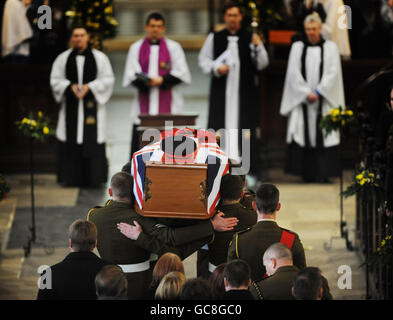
[36, 126]
[364, 184]
[266, 11]
[384, 253]
[4, 188]
[95, 15]
[336, 119]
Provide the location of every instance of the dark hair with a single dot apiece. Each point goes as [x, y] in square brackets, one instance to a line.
[267, 198]
[216, 282]
[155, 16]
[127, 168]
[196, 289]
[231, 187]
[237, 273]
[121, 184]
[83, 235]
[230, 5]
[79, 26]
[111, 282]
[307, 284]
[168, 262]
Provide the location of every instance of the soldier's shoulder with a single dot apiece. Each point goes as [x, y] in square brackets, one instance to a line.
[244, 232]
[96, 209]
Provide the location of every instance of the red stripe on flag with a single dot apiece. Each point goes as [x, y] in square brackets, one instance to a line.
[139, 192]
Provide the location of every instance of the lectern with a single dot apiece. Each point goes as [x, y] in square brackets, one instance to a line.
[175, 191]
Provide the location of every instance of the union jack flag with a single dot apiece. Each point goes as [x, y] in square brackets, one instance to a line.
[206, 150]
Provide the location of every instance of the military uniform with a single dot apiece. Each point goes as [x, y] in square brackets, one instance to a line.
[133, 256]
[279, 285]
[251, 244]
[247, 199]
[218, 248]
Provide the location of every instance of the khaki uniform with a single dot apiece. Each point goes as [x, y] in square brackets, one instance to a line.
[251, 244]
[279, 285]
[134, 255]
[218, 248]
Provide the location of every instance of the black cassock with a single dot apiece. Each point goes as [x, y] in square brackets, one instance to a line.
[248, 91]
[85, 164]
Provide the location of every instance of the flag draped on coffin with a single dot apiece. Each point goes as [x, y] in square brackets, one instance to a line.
[205, 150]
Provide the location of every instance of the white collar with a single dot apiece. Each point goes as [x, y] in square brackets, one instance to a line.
[265, 219]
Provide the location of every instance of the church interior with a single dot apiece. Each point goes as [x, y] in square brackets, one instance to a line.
[343, 218]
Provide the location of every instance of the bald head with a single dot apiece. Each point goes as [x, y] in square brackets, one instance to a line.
[276, 256]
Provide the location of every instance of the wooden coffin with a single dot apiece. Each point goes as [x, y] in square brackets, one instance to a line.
[175, 191]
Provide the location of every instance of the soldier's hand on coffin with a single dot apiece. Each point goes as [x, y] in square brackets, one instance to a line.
[223, 224]
[130, 231]
[223, 69]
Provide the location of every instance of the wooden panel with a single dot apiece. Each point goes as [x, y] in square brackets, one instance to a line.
[175, 191]
[281, 37]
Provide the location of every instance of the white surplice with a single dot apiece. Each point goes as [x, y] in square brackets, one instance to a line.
[296, 90]
[101, 88]
[332, 30]
[179, 69]
[16, 29]
[209, 65]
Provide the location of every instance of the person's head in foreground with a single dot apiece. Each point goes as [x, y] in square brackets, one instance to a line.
[82, 236]
[237, 275]
[170, 286]
[168, 262]
[276, 256]
[308, 284]
[196, 289]
[216, 282]
[155, 26]
[233, 16]
[231, 188]
[111, 283]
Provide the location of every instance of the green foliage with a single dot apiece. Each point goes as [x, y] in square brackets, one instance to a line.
[96, 15]
[383, 255]
[36, 126]
[364, 184]
[337, 118]
[4, 188]
[267, 13]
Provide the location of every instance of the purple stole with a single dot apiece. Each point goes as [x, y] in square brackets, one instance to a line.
[164, 67]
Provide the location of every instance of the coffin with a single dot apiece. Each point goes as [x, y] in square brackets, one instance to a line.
[175, 191]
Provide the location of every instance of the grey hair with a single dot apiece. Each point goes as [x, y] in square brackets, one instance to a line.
[279, 251]
[313, 17]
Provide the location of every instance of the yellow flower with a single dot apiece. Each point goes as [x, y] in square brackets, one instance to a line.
[40, 114]
[45, 130]
[359, 177]
[25, 120]
[362, 182]
[349, 113]
[33, 123]
[334, 119]
[383, 242]
[378, 249]
[343, 122]
[108, 10]
[371, 175]
[389, 237]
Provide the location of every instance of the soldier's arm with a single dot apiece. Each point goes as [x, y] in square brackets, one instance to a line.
[299, 257]
[232, 250]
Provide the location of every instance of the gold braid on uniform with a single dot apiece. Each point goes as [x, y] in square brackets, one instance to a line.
[257, 289]
[237, 245]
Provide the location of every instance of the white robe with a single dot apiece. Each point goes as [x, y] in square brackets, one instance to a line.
[101, 88]
[179, 69]
[16, 29]
[209, 65]
[331, 29]
[296, 90]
